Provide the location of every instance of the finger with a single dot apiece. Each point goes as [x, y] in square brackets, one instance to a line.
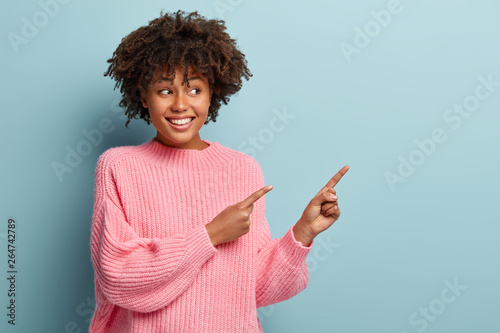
[327, 206]
[330, 190]
[335, 179]
[323, 211]
[256, 195]
[334, 211]
[327, 190]
[321, 198]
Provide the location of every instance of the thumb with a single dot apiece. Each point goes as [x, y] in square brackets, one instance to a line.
[323, 197]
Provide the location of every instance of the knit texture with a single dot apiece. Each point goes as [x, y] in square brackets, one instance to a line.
[156, 269]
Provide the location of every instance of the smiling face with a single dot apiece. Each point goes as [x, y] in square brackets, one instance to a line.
[177, 111]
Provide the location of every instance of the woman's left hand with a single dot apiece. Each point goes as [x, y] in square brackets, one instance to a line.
[321, 212]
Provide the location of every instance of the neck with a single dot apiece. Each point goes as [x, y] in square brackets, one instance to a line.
[198, 145]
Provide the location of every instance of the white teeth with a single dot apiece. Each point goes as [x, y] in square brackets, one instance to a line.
[180, 121]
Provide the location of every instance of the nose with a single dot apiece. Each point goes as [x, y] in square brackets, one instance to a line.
[180, 102]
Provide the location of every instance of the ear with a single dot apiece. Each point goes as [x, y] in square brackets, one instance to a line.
[142, 92]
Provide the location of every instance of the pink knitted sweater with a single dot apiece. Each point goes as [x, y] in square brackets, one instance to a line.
[156, 269]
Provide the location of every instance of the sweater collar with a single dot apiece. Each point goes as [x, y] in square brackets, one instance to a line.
[187, 159]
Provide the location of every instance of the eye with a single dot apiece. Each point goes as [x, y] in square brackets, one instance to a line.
[196, 91]
[165, 92]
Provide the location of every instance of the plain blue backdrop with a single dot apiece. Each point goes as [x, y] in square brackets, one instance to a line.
[405, 92]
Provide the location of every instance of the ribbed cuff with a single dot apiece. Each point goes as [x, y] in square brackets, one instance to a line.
[292, 250]
[200, 246]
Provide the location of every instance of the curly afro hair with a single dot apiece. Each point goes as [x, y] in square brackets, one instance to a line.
[177, 39]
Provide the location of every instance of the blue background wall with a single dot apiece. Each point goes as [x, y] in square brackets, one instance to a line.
[378, 85]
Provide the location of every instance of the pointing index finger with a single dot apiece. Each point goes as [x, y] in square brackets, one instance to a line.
[256, 195]
[335, 179]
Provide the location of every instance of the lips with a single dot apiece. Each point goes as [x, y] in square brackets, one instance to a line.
[182, 126]
[176, 119]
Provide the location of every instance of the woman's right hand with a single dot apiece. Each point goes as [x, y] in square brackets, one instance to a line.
[234, 221]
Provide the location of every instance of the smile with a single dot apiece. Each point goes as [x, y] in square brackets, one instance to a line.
[180, 124]
[180, 121]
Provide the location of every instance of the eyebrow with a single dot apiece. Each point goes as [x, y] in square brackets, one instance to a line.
[170, 79]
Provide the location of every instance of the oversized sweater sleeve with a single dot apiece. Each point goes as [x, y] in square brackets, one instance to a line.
[139, 274]
[282, 269]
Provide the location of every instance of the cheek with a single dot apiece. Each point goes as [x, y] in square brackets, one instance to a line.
[156, 108]
[202, 106]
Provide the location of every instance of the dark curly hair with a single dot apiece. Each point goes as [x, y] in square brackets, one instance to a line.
[180, 38]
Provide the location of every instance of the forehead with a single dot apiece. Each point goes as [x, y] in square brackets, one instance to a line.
[179, 72]
[161, 77]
